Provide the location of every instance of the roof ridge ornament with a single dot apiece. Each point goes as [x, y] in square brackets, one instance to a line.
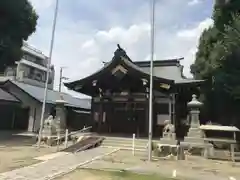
[119, 47]
[120, 52]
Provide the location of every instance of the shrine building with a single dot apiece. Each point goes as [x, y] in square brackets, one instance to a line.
[120, 94]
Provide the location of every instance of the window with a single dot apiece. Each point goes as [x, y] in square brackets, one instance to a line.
[38, 77]
[29, 57]
[26, 71]
[40, 61]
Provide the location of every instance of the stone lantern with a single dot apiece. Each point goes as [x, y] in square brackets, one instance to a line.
[195, 136]
[194, 106]
[61, 115]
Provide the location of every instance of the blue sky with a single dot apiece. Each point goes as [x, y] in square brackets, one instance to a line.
[88, 31]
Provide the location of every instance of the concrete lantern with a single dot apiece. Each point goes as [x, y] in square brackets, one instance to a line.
[61, 114]
[194, 106]
[194, 103]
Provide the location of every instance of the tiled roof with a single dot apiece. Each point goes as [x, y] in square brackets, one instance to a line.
[172, 72]
[53, 96]
[5, 96]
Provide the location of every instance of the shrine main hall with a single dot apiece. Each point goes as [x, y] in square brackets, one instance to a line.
[120, 94]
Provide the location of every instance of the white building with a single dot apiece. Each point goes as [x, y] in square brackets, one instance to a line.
[22, 91]
[31, 69]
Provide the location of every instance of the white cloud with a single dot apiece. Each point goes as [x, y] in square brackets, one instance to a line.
[125, 36]
[82, 48]
[43, 4]
[194, 2]
[190, 38]
[196, 31]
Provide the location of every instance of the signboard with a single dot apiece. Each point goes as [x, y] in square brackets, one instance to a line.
[164, 86]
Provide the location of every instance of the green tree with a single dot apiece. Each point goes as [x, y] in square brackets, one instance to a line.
[227, 75]
[18, 21]
[223, 11]
[202, 69]
[217, 61]
[230, 61]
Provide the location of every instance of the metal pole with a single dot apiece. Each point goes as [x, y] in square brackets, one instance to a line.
[151, 81]
[48, 71]
[60, 80]
[133, 145]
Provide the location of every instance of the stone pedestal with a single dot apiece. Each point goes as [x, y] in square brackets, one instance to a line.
[168, 141]
[55, 127]
[49, 132]
[180, 153]
[49, 128]
[169, 137]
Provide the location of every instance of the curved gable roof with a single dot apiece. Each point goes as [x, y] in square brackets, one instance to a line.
[120, 58]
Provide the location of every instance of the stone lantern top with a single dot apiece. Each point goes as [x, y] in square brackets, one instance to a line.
[61, 100]
[194, 102]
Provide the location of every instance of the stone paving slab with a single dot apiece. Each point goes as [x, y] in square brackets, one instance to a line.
[48, 169]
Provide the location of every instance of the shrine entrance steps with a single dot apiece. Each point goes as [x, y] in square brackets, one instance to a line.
[126, 143]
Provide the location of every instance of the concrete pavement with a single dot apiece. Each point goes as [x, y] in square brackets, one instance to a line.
[57, 166]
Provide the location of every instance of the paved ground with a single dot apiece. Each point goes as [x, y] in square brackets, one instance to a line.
[46, 170]
[18, 156]
[18, 151]
[194, 168]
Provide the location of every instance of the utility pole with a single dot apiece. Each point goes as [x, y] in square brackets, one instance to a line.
[48, 71]
[61, 78]
[151, 81]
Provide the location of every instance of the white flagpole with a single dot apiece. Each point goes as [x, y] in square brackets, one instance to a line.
[48, 71]
[151, 80]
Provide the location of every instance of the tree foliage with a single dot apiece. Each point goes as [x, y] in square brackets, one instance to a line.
[223, 11]
[218, 61]
[18, 21]
[230, 61]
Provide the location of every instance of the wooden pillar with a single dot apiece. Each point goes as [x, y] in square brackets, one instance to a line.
[111, 115]
[100, 115]
[13, 118]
